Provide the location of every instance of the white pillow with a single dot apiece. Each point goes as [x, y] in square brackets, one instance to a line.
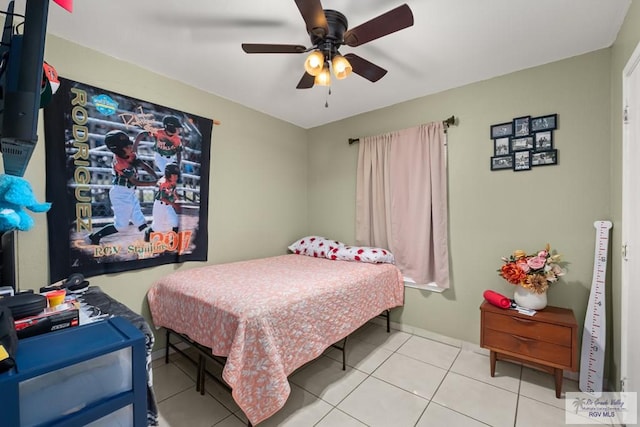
[333, 245]
[362, 254]
[310, 245]
[315, 246]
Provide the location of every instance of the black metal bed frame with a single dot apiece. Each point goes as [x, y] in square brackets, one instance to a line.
[205, 353]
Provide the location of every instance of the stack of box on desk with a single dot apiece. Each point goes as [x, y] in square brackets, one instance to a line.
[32, 314]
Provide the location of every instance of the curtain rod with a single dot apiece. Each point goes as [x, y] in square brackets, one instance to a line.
[451, 121]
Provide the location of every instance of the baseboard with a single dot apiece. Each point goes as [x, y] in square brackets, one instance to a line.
[464, 345]
[420, 332]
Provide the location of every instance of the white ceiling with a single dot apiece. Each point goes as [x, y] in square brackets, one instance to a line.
[452, 43]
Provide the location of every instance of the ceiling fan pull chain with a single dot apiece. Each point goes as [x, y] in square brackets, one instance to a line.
[326, 99]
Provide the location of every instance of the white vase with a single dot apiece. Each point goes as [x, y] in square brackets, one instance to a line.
[528, 299]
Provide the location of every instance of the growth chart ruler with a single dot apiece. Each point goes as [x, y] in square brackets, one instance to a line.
[595, 324]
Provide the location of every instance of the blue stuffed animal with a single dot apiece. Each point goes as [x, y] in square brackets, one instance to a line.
[15, 194]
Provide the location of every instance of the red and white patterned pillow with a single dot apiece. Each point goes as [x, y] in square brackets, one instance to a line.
[332, 245]
[362, 254]
[315, 246]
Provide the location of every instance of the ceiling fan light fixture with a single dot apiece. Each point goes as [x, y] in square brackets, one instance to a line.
[314, 63]
[341, 67]
[324, 78]
[328, 30]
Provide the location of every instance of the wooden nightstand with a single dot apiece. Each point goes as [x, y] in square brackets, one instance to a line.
[547, 341]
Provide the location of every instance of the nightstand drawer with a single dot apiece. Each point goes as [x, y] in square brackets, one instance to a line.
[547, 332]
[547, 341]
[529, 347]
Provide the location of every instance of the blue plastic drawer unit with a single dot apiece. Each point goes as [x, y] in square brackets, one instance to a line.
[88, 375]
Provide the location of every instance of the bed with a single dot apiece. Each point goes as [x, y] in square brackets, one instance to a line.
[269, 316]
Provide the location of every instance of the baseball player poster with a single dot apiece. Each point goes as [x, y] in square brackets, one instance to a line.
[128, 181]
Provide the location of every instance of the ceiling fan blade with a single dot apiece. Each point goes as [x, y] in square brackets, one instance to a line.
[366, 69]
[395, 20]
[313, 15]
[273, 48]
[193, 17]
[306, 82]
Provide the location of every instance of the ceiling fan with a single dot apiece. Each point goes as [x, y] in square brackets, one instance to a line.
[328, 31]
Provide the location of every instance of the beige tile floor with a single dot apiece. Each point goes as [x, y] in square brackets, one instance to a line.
[392, 380]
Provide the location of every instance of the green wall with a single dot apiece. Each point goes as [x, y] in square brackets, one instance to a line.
[258, 189]
[491, 213]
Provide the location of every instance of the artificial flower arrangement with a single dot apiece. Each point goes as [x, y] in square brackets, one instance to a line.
[532, 272]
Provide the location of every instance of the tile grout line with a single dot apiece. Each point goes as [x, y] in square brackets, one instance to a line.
[442, 381]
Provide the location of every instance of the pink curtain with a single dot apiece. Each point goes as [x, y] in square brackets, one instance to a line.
[401, 200]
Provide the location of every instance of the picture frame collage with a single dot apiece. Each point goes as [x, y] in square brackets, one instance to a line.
[524, 142]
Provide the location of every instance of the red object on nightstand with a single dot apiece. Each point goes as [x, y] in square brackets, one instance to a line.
[497, 299]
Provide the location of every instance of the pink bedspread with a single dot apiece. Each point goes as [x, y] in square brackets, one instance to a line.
[270, 316]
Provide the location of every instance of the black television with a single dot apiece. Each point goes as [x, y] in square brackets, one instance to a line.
[22, 56]
[9, 260]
